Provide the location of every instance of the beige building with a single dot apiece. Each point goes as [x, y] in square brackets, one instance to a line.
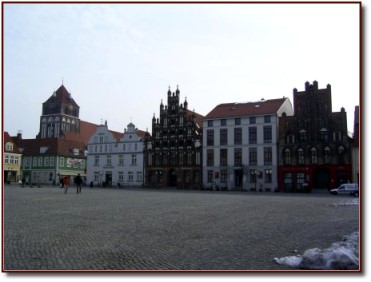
[12, 160]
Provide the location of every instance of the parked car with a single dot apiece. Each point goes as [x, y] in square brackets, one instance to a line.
[346, 189]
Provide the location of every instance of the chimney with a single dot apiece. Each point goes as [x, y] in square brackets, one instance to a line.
[19, 134]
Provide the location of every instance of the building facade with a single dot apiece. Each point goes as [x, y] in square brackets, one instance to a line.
[46, 161]
[314, 145]
[12, 160]
[114, 159]
[355, 147]
[173, 152]
[240, 145]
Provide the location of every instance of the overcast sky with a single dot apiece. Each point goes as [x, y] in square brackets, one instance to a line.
[118, 61]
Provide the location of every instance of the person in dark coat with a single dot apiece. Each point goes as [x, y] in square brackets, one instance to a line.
[78, 182]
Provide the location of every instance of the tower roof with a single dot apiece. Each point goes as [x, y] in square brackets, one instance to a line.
[61, 96]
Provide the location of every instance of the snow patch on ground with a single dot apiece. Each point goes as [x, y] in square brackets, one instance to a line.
[342, 255]
[348, 202]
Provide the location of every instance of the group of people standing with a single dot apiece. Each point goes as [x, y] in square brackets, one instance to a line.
[65, 183]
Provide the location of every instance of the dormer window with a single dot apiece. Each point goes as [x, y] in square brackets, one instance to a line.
[9, 147]
[76, 152]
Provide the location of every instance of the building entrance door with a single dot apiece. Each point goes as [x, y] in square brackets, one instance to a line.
[238, 178]
[321, 178]
[172, 178]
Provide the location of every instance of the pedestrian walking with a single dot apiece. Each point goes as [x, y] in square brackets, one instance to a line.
[66, 183]
[78, 181]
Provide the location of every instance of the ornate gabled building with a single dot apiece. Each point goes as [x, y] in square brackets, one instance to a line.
[173, 152]
[314, 148]
[116, 159]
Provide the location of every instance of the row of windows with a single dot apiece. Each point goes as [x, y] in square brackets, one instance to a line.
[314, 155]
[174, 159]
[13, 160]
[237, 121]
[120, 160]
[303, 136]
[237, 157]
[50, 162]
[121, 177]
[237, 136]
[108, 148]
[252, 176]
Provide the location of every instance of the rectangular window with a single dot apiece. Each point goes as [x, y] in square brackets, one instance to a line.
[267, 134]
[287, 182]
[237, 121]
[52, 162]
[121, 159]
[210, 174]
[300, 179]
[139, 176]
[252, 135]
[61, 162]
[130, 176]
[253, 156]
[267, 119]
[267, 155]
[210, 157]
[109, 160]
[16, 160]
[46, 161]
[238, 157]
[223, 136]
[96, 176]
[210, 137]
[96, 160]
[40, 161]
[121, 176]
[181, 158]
[223, 122]
[223, 176]
[209, 123]
[238, 136]
[223, 157]
[6, 161]
[134, 159]
[252, 120]
[268, 176]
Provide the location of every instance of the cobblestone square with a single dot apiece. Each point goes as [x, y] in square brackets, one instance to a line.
[148, 229]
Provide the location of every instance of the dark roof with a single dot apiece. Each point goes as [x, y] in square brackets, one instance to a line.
[50, 146]
[61, 96]
[263, 107]
[6, 139]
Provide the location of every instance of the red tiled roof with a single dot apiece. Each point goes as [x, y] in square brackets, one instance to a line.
[6, 139]
[61, 96]
[263, 107]
[87, 129]
[198, 118]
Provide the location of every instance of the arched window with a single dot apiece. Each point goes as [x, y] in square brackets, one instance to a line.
[327, 155]
[302, 135]
[314, 155]
[287, 157]
[300, 154]
[323, 135]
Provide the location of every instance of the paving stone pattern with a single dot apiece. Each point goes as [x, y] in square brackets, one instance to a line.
[145, 229]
